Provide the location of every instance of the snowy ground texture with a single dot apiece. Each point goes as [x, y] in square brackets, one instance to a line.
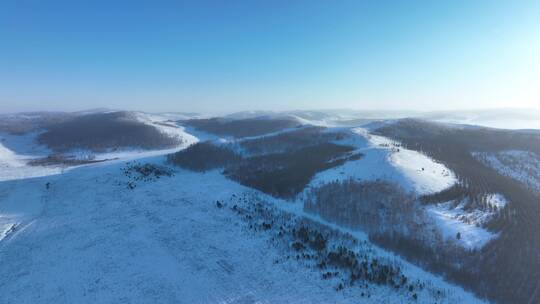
[91, 239]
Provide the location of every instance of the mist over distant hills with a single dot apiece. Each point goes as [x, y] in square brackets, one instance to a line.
[495, 118]
[510, 118]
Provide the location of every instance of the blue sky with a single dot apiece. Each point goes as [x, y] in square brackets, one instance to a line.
[225, 56]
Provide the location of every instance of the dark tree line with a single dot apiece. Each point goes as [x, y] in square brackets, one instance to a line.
[508, 268]
[287, 174]
[394, 220]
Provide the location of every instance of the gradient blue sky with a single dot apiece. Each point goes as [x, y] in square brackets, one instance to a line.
[225, 56]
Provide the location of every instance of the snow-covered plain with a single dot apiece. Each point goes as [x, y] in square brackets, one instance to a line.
[89, 239]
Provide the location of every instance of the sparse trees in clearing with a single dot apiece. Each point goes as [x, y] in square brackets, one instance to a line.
[137, 172]
[336, 255]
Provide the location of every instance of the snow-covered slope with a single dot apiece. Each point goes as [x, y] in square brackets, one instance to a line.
[426, 175]
[385, 159]
[164, 125]
[87, 238]
[464, 227]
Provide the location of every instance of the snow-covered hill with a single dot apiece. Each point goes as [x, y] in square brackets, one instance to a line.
[85, 237]
[388, 160]
[18, 150]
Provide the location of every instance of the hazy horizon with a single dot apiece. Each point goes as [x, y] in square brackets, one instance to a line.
[534, 110]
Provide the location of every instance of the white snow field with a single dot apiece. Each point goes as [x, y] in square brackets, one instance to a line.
[90, 239]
